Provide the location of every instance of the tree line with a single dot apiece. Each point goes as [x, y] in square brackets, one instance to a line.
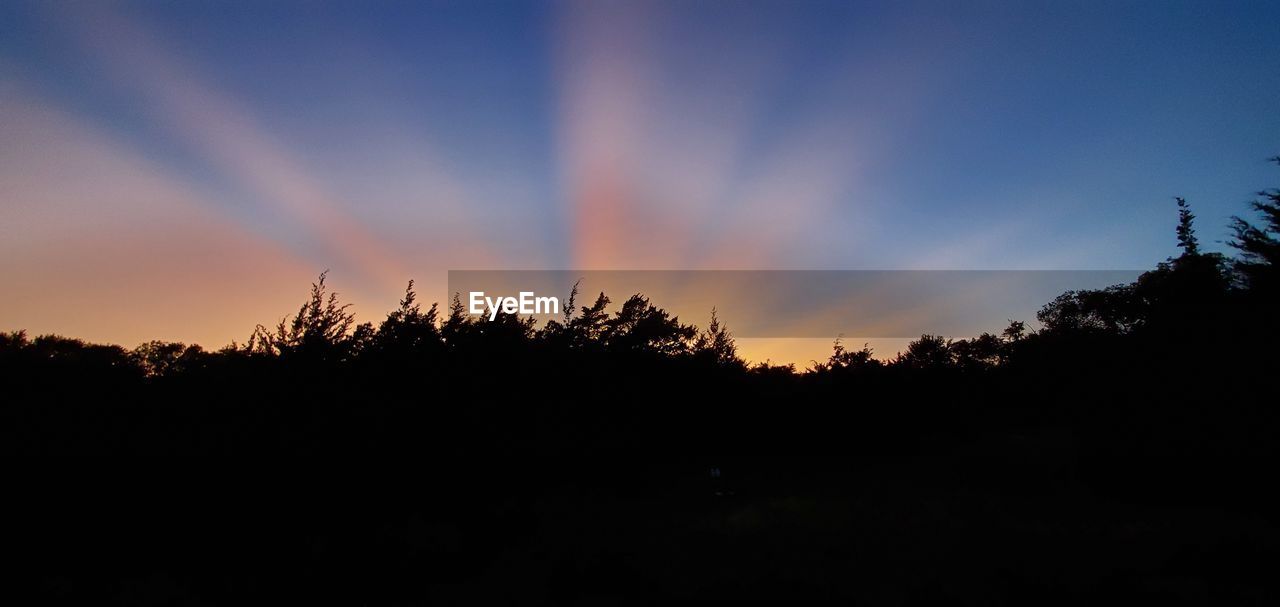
[1195, 291]
[1201, 325]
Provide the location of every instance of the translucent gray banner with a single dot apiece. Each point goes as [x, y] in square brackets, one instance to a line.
[793, 303]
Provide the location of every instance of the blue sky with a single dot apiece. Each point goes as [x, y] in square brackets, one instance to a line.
[390, 141]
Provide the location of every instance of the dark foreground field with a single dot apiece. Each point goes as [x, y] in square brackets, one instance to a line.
[972, 529]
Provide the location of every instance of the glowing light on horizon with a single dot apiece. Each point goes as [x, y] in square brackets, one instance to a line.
[660, 136]
[148, 259]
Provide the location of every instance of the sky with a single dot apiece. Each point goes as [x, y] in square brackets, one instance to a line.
[183, 170]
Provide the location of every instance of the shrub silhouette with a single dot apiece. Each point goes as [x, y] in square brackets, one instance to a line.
[408, 332]
[321, 330]
[1259, 246]
[716, 346]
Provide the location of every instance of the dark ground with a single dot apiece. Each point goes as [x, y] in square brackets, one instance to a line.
[519, 530]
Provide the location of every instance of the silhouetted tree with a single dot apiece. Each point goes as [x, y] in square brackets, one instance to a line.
[13, 341]
[1016, 331]
[1114, 310]
[716, 345]
[767, 370]
[928, 352]
[1072, 311]
[162, 358]
[458, 326]
[641, 327]
[556, 334]
[504, 332]
[1183, 293]
[408, 331]
[843, 360]
[571, 302]
[74, 357]
[982, 352]
[320, 331]
[1259, 245]
[1186, 232]
[589, 327]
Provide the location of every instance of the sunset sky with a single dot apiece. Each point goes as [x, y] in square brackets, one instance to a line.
[183, 170]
